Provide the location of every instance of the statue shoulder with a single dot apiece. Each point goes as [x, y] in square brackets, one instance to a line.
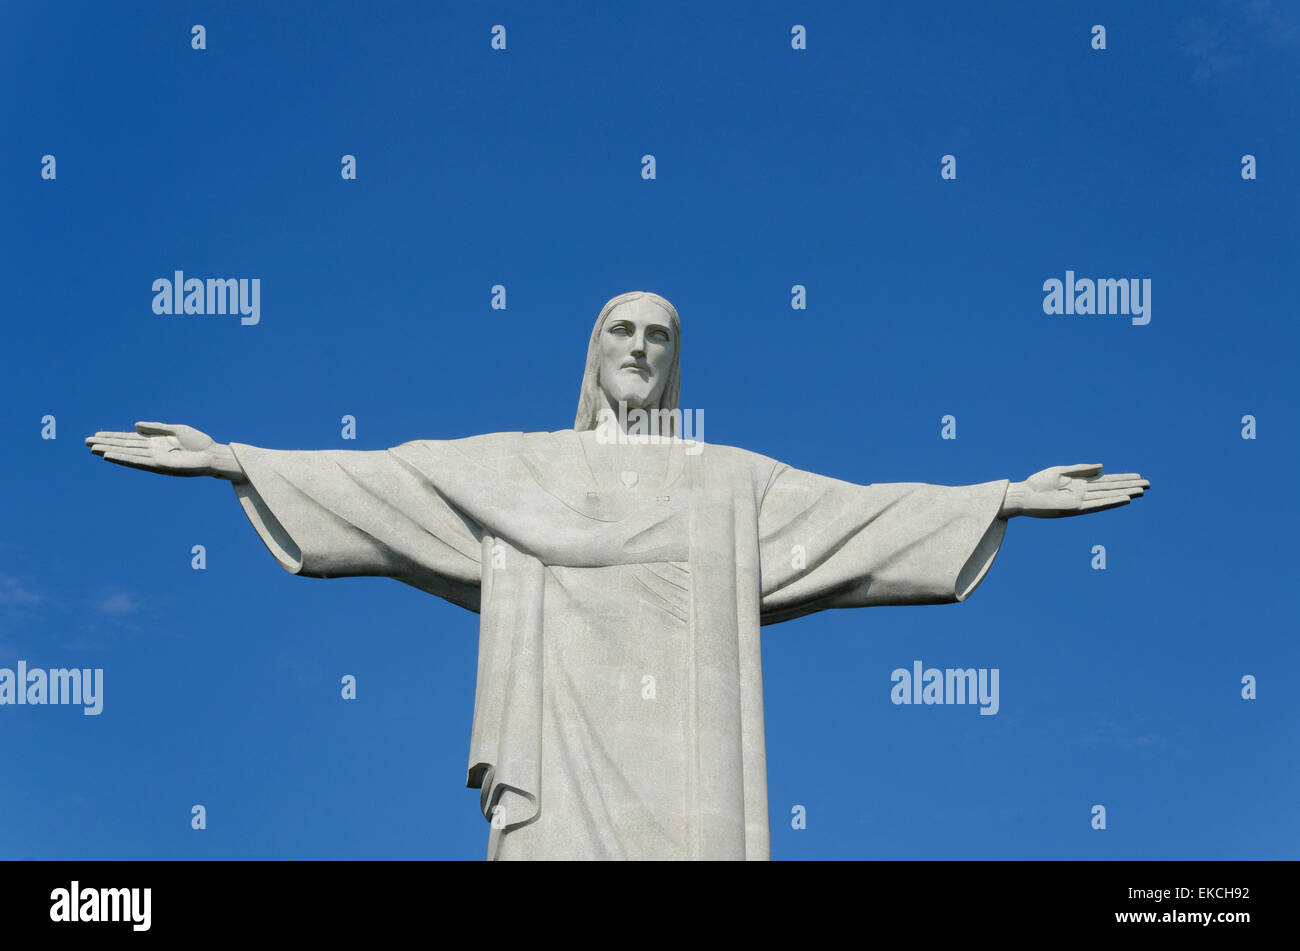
[760, 469]
[482, 448]
[734, 455]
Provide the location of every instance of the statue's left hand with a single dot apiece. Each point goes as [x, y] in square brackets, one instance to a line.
[1071, 490]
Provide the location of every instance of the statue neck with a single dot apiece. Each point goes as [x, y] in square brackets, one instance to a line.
[621, 412]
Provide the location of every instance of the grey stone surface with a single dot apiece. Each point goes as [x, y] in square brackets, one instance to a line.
[621, 578]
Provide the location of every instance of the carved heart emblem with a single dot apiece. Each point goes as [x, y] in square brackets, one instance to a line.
[629, 479]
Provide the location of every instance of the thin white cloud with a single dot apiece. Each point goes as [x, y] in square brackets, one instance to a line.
[1220, 46]
[1111, 733]
[15, 594]
[117, 603]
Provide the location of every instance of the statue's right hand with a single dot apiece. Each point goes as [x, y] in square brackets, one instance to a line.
[170, 449]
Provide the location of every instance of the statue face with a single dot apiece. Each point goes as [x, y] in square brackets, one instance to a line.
[636, 353]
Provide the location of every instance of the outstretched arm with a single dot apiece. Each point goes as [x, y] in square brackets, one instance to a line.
[1071, 490]
[326, 513]
[825, 543]
[168, 449]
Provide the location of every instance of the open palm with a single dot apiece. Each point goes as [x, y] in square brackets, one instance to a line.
[1073, 490]
[170, 449]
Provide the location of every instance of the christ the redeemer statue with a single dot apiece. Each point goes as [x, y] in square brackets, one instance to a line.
[621, 584]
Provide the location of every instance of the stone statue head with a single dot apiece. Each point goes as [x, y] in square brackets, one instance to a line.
[634, 357]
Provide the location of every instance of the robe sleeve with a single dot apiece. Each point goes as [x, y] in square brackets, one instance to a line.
[831, 544]
[337, 513]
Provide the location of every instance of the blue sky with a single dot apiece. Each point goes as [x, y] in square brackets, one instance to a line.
[774, 167]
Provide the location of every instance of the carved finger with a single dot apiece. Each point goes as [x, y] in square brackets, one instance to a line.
[1096, 505]
[106, 451]
[155, 429]
[134, 442]
[1135, 489]
[1118, 486]
[131, 462]
[1118, 477]
[1130, 493]
[105, 434]
[1113, 486]
[1122, 494]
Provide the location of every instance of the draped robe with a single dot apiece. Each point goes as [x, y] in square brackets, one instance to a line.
[621, 590]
